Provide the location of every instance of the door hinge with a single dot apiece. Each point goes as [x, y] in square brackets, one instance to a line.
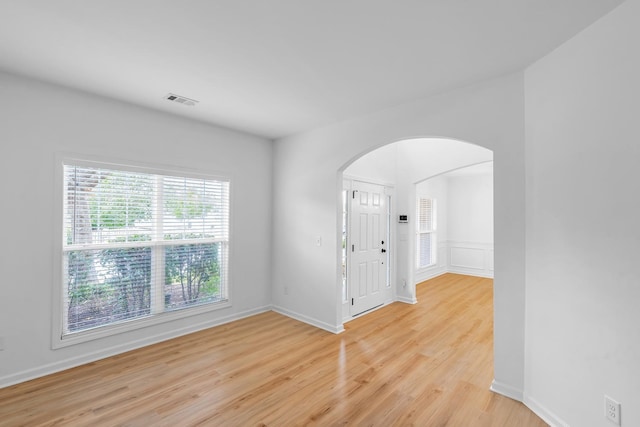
[351, 301]
[354, 194]
[353, 248]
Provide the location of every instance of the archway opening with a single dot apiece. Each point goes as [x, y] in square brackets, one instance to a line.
[438, 217]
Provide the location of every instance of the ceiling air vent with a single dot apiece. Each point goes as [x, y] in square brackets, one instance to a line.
[181, 99]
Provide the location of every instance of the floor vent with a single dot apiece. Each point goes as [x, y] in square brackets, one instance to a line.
[181, 99]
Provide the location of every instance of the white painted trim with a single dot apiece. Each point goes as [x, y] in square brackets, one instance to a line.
[407, 300]
[423, 274]
[516, 394]
[547, 416]
[444, 264]
[334, 329]
[367, 181]
[350, 317]
[135, 324]
[468, 244]
[506, 390]
[58, 338]
[466, 249]
[72, 362]
[93, 160]
[474, 272]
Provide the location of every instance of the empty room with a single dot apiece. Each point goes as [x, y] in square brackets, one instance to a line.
[286, 212]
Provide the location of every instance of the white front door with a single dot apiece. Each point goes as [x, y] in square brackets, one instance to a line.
[368, 238]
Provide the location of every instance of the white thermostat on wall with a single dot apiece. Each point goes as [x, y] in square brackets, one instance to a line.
[403, 218]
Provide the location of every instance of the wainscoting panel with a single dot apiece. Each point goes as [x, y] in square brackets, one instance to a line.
[473, 258]
[470, 258]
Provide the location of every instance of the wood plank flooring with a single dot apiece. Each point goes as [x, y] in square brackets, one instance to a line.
[429, 364]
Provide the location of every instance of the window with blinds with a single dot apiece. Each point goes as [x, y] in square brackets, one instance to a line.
[425, 232]
[137, 245]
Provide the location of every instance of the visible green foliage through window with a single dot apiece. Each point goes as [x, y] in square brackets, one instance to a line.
[139, 244]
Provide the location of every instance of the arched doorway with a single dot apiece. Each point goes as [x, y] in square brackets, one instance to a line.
[378, 270]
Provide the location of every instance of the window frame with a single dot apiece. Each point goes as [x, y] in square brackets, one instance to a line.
[59, 338]
[432, 232]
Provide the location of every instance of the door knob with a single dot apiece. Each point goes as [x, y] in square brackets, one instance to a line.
[384, 250]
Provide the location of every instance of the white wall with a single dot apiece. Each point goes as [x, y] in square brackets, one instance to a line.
[465, 221]
[583, 232]
[421, 158]
[308, 180]
[470, 207]
[581, 206]
[378, 166]
[38, 120]
[470, 245]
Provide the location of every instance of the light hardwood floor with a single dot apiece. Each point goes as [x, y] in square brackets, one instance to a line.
[429, 364]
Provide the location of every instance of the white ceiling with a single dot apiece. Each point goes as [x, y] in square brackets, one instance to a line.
[278, 67]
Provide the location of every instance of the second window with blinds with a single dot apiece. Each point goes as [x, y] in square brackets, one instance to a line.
[426, 240]
[139, 245]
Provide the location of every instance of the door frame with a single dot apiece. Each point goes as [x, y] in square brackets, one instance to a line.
[390, 289]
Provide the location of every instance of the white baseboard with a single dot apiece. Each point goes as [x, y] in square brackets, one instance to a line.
[334, 329]
[513, 393]
[407, 300]
[420, 276]
[72, 362]
[507, 390]
[547, 416]
[470, 272]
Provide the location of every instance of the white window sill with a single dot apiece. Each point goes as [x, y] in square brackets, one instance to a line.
[59, 341]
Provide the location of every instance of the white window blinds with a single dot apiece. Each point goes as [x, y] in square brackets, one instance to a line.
[425, 232]
[425, 215]
[138, 244]
[195, 209]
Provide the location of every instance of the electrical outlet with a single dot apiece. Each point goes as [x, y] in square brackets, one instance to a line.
[612, 410]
